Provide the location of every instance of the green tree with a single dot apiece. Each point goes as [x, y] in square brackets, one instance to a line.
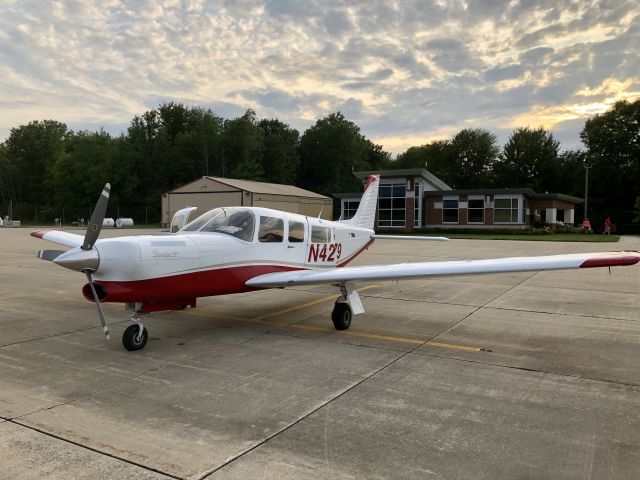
[377, 157]
[7, 193]
[31, 150]
[280, 158]
[89, 160]
[474, 153]
[329, 151]
[613, 148]
[529, 159]
[242, 147]
[437, 157]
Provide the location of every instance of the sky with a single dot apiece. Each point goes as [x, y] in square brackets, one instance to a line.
[406, 72]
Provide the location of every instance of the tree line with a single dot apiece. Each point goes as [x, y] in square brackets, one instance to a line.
[45, 168]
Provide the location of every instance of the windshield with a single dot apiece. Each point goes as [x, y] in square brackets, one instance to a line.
[237, 222]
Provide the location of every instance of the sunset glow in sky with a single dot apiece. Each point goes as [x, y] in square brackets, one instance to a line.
[406, 72]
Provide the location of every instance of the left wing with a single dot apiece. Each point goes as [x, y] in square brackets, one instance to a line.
[62, 238]
[457, 267]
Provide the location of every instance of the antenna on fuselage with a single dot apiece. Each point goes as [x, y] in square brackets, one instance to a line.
[321, 208]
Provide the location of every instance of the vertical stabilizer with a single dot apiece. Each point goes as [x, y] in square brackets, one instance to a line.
[366, 214]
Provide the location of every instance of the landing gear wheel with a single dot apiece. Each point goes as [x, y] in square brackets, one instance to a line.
[131, 338]
[341, 316]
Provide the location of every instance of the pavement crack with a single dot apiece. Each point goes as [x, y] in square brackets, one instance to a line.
[95, 450]
[533, 370]
[377, 371]
[450, 327]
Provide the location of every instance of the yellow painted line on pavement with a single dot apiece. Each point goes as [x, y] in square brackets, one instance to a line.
[306, 305]
[262, 319]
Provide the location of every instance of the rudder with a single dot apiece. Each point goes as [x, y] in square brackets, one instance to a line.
[366, 214]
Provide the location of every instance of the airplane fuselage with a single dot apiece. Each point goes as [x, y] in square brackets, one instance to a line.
[166, 272]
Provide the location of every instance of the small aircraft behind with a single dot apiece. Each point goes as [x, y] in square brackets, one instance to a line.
[239, 249]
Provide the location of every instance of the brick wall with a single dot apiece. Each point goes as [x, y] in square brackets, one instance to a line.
[463, 213]
[434, 217]
[410, 213]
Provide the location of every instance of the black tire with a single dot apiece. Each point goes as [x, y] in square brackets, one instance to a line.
[130, 338]
[341, 316]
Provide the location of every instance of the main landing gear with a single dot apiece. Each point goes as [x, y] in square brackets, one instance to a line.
[341, 315]
[135, 336]
[347, 305]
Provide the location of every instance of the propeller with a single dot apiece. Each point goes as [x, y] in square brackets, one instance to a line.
[103, 322]
[50, 254]
[95, 224]
[90, 238]
[85, 258]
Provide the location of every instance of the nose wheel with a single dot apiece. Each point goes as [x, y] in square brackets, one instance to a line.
[135, 336]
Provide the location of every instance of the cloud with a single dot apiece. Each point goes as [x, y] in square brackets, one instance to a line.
[401, 69]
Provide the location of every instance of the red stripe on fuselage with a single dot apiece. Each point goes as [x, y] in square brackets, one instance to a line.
[206, 283]
[355, 254]
[611, 262]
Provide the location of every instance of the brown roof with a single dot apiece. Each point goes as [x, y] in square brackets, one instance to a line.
[266, 188]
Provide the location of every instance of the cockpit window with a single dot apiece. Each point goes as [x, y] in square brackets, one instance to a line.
[237, 222]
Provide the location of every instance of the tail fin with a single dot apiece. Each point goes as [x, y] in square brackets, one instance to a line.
[366, 214]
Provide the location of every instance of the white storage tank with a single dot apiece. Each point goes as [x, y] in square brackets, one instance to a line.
[108, 222]
[124, 222]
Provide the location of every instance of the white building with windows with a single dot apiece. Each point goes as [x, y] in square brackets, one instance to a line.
[415, 198]
[400, 197]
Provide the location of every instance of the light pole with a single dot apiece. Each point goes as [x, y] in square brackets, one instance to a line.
[586, 187]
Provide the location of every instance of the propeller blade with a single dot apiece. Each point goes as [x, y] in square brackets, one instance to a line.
[95, 224]
[50, 254]
[105, 329]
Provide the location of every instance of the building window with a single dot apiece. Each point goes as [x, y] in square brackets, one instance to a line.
[505, 210]
[349, 208]
[450, 210]
[392, 205]
[476, 210]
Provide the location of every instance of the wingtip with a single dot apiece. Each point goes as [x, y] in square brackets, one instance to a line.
[39, 233]
[626, 259]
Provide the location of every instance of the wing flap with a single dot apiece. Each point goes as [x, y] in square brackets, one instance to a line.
[404, 271]
[408, 237]
[61, 238]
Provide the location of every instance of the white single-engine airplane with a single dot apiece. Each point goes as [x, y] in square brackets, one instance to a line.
[238, 249]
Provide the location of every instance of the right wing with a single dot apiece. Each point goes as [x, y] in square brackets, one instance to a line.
[404, 271]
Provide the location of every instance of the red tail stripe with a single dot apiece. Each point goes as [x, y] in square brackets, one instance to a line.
[370, 180]
[611, 261]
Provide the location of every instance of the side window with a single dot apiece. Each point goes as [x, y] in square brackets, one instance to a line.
[320, 234]
[271, 229]
[296, 232]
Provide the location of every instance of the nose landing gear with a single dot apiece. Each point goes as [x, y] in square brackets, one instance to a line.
[135, 336]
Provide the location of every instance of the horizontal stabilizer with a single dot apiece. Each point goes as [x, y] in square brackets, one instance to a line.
[407, 237]
[49, 254]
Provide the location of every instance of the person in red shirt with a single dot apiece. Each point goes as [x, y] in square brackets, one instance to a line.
[586, 225]
[607, 226]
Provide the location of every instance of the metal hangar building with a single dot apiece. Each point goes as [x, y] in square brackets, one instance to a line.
[211, 192]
